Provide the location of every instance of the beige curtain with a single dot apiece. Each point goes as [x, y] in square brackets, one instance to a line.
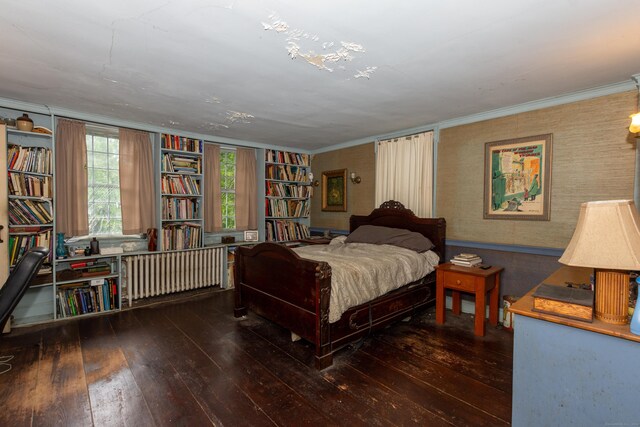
[404, 172]
[137, 186]
[212, 193]
[72, 205]
[246, 190]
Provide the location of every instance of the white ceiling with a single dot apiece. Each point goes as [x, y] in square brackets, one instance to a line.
[309, 74]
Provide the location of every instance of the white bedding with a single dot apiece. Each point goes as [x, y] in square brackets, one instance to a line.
[361, 272]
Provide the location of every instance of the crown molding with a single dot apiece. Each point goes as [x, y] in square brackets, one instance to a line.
[582, 95]
[497, 113]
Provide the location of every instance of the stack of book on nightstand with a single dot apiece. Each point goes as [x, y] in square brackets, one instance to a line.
[466, 260]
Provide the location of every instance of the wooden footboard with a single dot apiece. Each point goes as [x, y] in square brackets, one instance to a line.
[274, 282]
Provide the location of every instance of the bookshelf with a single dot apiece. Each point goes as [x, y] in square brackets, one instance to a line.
[87, 285]
[181, 192]
[287, 193]
[27, 209]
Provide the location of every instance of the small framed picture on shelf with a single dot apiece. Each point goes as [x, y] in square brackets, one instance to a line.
[251, 236]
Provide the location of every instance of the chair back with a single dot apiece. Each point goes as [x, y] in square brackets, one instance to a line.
[18, 281]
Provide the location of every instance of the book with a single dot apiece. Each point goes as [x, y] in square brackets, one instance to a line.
[470, 263]
[466, 260]
[572, 303]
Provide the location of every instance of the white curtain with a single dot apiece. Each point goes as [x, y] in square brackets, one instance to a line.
[404, 172]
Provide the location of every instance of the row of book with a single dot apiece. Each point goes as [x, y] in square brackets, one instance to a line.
[181, 236]
[29, 159]
[466, 260]
[176, 184]
[175, 142]
[91, 268]
[286, 208]
[74, 299]
[25, 211]
[282, 231]
[29, 185]
[179, 208]
[280, 189]
[286, 173]
[177, 164]
[19, 244]
[276, 156]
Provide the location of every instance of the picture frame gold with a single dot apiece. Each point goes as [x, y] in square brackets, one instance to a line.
[334, 190]
[517, 178]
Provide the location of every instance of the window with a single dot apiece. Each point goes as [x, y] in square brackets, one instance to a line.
[228, 187]
[105, 215]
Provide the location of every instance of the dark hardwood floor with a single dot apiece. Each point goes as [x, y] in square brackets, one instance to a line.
[192, 363]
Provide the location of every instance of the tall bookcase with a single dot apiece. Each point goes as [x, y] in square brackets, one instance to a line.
[29, 209]
[181, 192]
[287, 192]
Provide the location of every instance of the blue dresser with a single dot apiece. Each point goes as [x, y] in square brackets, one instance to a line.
[572, 373]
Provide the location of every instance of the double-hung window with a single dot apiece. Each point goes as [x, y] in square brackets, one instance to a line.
[228, 187]
[103, 184]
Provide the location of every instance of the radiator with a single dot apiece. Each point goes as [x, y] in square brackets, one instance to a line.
[168, 272]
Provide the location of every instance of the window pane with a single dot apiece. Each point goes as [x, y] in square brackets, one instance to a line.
[105, 214]
[100, 160]
[100, 144]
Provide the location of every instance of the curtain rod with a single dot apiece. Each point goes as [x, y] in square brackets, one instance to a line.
[395, 138]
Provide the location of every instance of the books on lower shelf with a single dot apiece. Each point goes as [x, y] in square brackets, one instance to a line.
[466, 260]
[176, 236]
[282, 231]
[88, 297]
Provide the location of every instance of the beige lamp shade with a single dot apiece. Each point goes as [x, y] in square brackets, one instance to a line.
[607, 236]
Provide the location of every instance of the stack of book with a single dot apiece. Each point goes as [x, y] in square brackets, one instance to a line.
[466, 260]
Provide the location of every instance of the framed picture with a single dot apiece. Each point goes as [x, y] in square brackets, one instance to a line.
[517, 178]
[251, 236]
[334, 191]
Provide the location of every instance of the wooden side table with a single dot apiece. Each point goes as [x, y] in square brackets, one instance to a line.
[472, 280]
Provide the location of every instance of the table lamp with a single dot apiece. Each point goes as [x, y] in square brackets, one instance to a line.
[607, 238]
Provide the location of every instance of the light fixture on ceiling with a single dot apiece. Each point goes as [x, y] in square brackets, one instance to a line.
[607, 238]
[355, 179]
[634, 127]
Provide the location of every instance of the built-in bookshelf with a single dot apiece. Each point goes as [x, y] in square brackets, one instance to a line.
[87, 285]
[287, 192]
[181, 188]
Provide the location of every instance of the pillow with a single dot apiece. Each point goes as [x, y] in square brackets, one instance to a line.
[390, 236]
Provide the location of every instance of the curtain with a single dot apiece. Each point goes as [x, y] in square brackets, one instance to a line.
[212, 193]
[404, 172]
[137, 186]
[246, 190]
[71, 204]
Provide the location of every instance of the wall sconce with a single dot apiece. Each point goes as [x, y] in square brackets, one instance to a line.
[634, 127]
[314, 183]
[355, 179]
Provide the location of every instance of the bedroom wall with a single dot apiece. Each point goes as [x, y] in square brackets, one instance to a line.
[360, 197]
[593, 159]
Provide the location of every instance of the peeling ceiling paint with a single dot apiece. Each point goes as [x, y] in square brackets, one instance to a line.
[319, 60]
[305, 74]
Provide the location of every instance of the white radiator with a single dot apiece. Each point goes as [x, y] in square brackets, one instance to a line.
[167, 272]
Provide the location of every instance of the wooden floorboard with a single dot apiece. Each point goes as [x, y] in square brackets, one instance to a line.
[190, 362]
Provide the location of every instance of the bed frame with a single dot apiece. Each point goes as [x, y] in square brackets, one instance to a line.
[275, 283]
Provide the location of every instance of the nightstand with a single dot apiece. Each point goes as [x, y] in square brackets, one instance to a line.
[473, 280]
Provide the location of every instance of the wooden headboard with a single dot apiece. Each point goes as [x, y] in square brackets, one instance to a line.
[394, 214]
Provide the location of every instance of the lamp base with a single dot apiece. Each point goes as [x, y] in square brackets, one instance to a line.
[612, 296]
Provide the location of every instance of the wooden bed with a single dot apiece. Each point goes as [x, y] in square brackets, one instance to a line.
[275, 283]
